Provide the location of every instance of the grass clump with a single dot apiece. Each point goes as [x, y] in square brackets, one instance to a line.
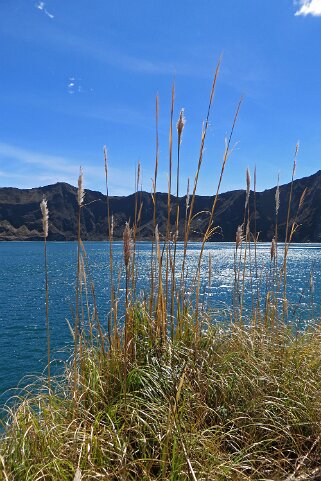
[239, 404]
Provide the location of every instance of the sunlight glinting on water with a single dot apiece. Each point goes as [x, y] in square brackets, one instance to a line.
[22, 306]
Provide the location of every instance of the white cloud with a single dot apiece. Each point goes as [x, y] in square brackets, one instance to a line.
[74, 86]
[45, 161]
[42, 6]
[309, 7]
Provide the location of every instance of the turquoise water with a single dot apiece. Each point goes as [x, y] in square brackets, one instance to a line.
[22, 297]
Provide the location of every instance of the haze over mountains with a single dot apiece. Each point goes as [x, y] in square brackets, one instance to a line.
[20, 216]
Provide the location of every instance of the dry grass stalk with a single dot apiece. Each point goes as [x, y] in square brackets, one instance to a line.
[187, 206]
[80, 198]
[247, 217]
[127, 244]
[135, 227]
[286, 242]
[170, 168]
[180, 127]
[110, 222]
[160, 304]
[154, 187]
[277, 198]
[200, 159]
[3, 470]
[248, 187]
[277, 208]
[169, 207]
[45, 225]
[199, 165]
[209, 229]
[255, 238]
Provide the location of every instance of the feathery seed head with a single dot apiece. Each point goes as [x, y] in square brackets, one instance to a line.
[45, 216]
[239, 236]
[248, 187]
[106, 160]
[295, 158]
[157, 234]
[277, 199]
[180, 125]
[127, 237]
[273, 249]
[138, 174]
[112, 226]
[81, 191]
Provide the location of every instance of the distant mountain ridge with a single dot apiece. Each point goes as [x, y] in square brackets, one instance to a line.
[20, 217]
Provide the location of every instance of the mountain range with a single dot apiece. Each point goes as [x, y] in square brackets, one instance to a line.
[20, 216]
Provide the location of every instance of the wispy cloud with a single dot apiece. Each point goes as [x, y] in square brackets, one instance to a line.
[42, 7]
[117, 114]
[26, 168]
[309, 7]
[49, 162]
[64, 40]
[116, 58]
[74, 85]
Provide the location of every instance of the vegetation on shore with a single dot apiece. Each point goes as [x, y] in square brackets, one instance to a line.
[166, 392]
[236, 404]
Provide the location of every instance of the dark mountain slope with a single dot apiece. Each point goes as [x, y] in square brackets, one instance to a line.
[20, 217]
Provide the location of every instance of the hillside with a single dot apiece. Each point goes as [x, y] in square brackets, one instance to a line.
[20, 217]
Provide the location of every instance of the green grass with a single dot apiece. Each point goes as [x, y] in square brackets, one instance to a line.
[239, 404]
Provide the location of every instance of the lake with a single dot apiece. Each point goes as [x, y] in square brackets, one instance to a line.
[22, 296]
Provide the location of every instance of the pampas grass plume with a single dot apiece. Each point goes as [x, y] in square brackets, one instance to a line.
[138, 174]
[106, 160]
[248, 187]
[127, 237]
[112, 226]
[277, 199]
[81, 191]
[45, 216]
[180, 125]
[273, 249]
[239, 236]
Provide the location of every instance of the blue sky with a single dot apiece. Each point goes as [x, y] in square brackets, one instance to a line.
[77, 75]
